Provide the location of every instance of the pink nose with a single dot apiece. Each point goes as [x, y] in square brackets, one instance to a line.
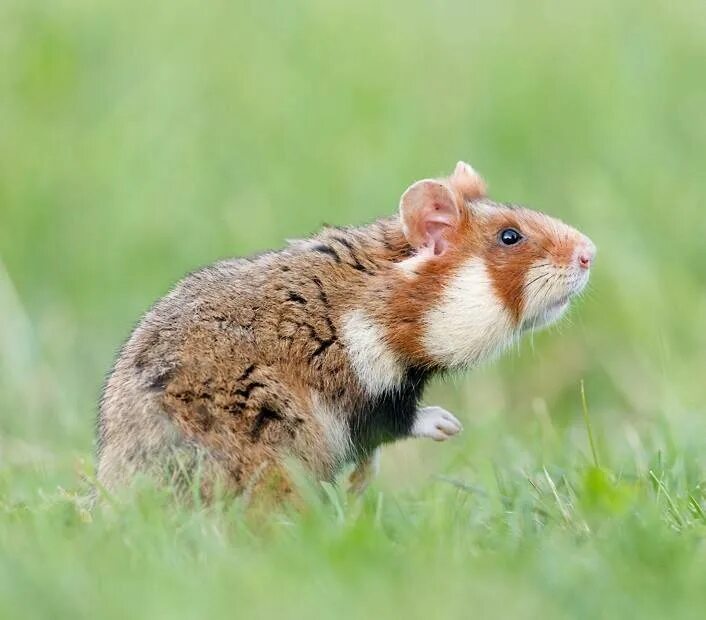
[586, 255]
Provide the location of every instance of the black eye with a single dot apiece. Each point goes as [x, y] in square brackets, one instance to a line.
[509, 236]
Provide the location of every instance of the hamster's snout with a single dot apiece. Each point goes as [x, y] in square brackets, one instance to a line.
[586, 253]
[551, 285]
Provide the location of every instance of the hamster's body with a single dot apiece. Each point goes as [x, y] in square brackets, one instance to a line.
[247, 360]
[320, 352]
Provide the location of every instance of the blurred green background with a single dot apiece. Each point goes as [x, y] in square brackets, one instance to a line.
[139, 141]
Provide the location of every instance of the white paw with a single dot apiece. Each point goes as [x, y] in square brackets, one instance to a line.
[436, 423]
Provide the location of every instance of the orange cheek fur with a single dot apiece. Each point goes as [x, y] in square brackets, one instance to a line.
[508, 273]
[507, 266]
[510, 267]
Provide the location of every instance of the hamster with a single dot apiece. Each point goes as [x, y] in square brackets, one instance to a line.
[319, 353]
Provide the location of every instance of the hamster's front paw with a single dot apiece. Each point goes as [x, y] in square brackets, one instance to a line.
[436, 423]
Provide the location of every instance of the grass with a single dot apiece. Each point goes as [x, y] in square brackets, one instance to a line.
[141, 140]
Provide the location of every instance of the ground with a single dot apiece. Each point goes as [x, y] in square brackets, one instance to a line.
[140, 141]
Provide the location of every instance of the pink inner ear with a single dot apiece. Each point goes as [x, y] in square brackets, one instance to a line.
[439, 246]
[429, 214]
[437, 225]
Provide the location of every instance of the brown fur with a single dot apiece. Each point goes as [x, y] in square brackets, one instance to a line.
[227, 362]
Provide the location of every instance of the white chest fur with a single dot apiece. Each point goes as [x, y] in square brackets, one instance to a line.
[375, 364]
[470, 323]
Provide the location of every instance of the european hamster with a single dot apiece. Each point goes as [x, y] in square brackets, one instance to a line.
[320, 352]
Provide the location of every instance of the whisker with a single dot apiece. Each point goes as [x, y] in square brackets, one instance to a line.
[538, 266]
[541, 275]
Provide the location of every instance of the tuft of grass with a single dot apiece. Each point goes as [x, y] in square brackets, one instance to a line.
[515, 545]
[589, 429]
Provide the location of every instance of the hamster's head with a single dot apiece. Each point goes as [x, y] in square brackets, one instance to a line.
[497, 269]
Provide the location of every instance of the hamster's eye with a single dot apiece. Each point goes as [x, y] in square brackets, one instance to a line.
[509, 236]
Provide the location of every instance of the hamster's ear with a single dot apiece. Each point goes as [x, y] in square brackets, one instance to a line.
[431, 214]
[467, 181]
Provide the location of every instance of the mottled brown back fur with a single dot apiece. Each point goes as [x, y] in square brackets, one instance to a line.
[226, 364]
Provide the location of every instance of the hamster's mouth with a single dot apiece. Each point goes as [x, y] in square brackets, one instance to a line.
[559, 304]
[552, 312]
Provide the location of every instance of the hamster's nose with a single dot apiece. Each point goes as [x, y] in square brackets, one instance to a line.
[586, 254]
